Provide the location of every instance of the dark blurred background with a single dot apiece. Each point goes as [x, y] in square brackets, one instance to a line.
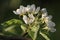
[53, 8]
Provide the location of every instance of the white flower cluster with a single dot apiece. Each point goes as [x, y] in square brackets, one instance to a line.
[29, 19]
[47, 19]
[31, 10]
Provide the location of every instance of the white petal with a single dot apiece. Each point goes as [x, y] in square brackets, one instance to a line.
[32, 8]
[49, 17]
[32, 18]
[50, 24]
[52, 29]
[14, 12]
[30, 15]
[44, 10]
[44, 15]
[30, 21]
[18, 11]
[21, 7]
[28, 6]
[27, 9]
[24, 10]
[25, 19]
[37, 10]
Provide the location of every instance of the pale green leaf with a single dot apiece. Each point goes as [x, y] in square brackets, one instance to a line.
[23, 28]
[33, 33]
[34, 28]
[12, 26]
[44, 35]
[12, 21]
[9, 28]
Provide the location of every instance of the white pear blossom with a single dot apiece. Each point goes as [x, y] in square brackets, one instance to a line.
[23, 9]
[37, 10]
[17, 11]
[28, 19]
[50, 24]
[25, 19]
[27, 8]
[20, 11]
[44, 10]
[44, 15]
[47, 20]
[37, 20]
[33, 9]
[30, 8]
[31, 17]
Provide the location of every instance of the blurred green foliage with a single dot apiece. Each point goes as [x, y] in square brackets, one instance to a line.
[11, 27]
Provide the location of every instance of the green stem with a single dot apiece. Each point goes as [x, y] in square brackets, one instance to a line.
[44, 35]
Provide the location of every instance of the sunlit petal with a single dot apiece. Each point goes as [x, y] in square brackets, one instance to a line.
[44, 10]
[52, 29]
[37, 10]
[32, 8]
[25, 19]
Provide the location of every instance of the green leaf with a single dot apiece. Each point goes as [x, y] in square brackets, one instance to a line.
[12, 21]
[12, 26]
[44, 35]
[34, 28]
[33, 33]
[9, 28]
[24, 28]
